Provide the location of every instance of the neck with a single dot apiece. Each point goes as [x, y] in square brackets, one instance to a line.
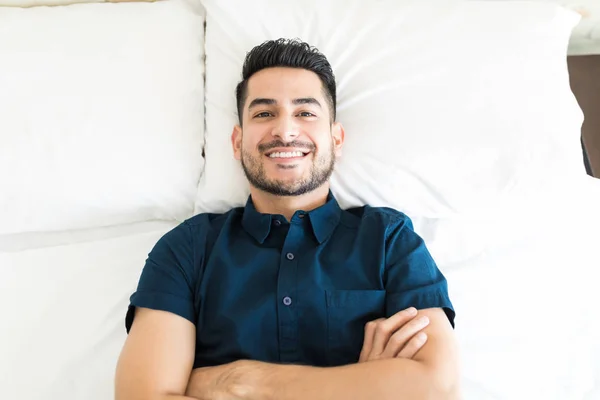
[267, 203]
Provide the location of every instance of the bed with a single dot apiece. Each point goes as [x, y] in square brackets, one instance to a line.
[114, 135]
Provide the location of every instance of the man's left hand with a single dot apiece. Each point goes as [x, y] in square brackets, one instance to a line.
[399, 336]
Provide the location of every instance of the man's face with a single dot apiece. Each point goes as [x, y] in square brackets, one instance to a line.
[288, 144]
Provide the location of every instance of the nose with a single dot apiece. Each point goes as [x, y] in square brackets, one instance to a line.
[285, 129]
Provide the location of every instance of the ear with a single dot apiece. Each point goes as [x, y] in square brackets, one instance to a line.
[236, 142]
[338, 136]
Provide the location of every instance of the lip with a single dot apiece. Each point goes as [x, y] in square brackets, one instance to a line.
[285, 160]
[286, 150]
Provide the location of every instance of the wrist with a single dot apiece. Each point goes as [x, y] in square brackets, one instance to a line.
[287, 381]
[202, 383]
[256, 380]
[192, 389]
[218, 381]
[250, 380]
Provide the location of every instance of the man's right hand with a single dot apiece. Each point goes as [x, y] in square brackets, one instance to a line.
[399, 336]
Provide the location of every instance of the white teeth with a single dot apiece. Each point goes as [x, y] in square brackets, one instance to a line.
[287, 154]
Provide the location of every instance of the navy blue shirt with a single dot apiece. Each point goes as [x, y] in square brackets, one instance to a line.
[259, 287]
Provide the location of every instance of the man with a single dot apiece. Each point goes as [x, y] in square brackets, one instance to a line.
[290, 297]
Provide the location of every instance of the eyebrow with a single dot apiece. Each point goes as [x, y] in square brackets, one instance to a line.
[306, 100]
[302, 100]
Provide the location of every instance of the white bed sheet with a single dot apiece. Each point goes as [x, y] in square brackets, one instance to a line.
[15, 242]
[526, 298]
[63, 305]
[63, 308]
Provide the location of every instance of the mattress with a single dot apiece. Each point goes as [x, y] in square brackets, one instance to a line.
[63, 307]
[527, 319]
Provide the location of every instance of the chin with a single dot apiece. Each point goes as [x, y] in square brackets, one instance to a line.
[286, 179]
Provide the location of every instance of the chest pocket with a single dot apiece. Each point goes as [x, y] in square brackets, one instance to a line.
[347, 313]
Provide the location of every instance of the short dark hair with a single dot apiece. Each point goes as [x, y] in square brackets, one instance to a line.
[291, 53]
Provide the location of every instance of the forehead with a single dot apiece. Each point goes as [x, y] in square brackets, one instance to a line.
[282, 84]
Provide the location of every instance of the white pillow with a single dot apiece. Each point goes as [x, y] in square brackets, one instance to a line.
[449, 107]
[101, 114]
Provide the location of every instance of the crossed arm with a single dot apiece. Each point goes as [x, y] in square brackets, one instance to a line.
[157, 359]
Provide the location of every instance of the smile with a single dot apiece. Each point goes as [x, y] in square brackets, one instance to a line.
[287, 154]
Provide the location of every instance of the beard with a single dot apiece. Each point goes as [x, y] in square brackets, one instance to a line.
[319, 173]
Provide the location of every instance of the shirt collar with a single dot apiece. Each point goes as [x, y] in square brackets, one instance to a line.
[256, 224]
[323, 220]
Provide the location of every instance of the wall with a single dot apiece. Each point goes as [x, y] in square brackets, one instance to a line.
[585, 83]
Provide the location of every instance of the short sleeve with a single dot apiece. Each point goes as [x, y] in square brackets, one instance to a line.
[412, 276]
[167, 279]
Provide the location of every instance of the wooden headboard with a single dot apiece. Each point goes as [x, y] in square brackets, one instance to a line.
[585, 82]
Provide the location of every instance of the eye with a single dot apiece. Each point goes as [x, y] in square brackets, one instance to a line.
[306, 114]
[263, 114]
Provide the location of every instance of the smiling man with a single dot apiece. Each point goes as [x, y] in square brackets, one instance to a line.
[290, 297]
[289, 142]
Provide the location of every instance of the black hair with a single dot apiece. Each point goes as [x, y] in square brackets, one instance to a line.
[291, 53]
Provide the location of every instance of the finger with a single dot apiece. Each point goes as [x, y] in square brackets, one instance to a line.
[413, 346]
[386, 328]
[368, 340]
[399, 339]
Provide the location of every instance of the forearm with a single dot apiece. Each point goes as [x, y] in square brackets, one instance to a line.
[382, 379]
[156, 397]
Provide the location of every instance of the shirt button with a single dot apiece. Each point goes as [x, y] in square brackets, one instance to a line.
[301, 215]
[287, 301]
[277, 222]
[289, 256]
